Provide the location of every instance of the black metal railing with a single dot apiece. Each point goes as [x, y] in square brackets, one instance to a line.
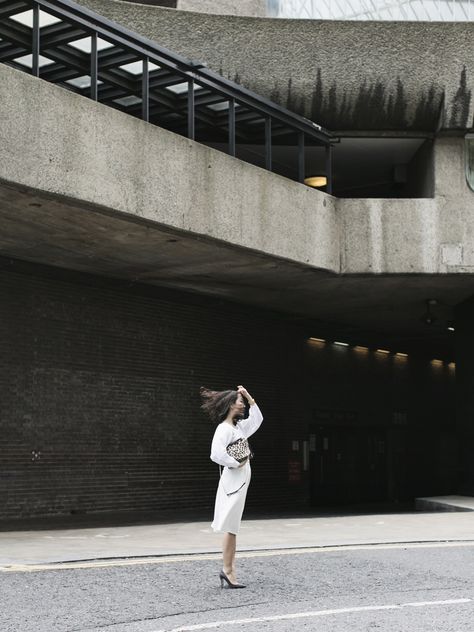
[129, 72]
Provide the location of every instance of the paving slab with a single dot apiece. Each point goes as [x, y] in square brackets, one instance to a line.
[60, 545]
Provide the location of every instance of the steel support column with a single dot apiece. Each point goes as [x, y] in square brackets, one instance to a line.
[94, 67]
[191, 113]
[36, 41]
[232, 127]
[145, 91]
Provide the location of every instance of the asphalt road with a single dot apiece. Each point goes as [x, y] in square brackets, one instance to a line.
[402, 588]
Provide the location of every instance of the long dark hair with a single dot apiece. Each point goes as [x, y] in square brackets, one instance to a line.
[217, 403]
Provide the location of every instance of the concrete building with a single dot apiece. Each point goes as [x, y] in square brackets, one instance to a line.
[406, 10]
[139, 264]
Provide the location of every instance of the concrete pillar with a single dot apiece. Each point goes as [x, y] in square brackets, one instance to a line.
[465, 393]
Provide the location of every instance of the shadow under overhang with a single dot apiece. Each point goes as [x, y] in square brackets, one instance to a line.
[62, 233]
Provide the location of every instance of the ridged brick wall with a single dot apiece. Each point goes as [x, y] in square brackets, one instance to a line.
[100, 409]
[101, 379]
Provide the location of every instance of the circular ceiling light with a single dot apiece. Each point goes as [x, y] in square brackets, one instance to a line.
[316, 181]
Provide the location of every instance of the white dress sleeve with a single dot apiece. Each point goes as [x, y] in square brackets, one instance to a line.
[222, 438]
[252, 423]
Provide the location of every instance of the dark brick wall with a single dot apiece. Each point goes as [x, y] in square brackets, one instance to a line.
[465, 393]
[101, 379]
[99, 394]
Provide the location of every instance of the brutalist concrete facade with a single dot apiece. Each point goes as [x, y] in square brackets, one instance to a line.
[138, 265]
[343, 75]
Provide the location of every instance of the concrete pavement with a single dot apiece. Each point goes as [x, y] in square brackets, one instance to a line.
[71, 544]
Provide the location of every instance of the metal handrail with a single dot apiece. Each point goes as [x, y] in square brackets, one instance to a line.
[194, 73]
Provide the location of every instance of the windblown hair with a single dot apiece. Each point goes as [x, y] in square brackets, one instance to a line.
[217, 403]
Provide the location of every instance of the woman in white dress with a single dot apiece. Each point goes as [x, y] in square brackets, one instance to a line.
[227, 409]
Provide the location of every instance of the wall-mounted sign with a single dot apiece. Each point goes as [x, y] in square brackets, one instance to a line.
[294, 471]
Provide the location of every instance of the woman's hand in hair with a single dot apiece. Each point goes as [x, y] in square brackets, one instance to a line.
[244, 392]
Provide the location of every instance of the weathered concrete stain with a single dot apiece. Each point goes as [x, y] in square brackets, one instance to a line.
[372, 106]
[428, 108]
[408, 76]
[460, 103]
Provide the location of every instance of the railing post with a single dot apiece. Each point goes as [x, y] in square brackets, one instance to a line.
[191, 109]
[268, 143]
[329, 169]
[301, 161]
[36, 40]
[94, 67]
[232, 127]
[145, 91]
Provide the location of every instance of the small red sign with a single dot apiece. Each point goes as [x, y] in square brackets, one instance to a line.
[294, 471]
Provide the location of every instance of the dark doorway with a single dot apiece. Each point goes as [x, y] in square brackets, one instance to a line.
[348, 464]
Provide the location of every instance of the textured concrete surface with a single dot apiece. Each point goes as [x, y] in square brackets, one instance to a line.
[253, 8]
[408, 235]
[33, 547]
[343, 75]
[70, 146]
[89, 188]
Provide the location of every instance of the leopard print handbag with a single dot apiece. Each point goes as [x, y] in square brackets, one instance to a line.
[239, 450]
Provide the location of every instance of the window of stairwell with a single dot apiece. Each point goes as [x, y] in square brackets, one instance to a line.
[383, 167]
[469, 153]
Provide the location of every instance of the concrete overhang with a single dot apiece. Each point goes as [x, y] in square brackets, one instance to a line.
[345, 75]
[87, 188]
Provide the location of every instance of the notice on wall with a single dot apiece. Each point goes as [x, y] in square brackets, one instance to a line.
[294, 471]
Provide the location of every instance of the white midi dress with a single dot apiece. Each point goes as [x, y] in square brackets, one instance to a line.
[234, 480]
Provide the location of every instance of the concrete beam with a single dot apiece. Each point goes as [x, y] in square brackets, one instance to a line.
[404, 236]
[85, 187]
[60, 143]
[343, 75]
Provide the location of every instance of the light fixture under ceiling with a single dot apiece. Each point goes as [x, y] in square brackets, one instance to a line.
[316, 181]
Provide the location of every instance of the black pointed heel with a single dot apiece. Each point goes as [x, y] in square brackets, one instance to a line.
[223, 577]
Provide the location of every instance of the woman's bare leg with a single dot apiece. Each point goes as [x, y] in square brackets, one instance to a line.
[228, 555]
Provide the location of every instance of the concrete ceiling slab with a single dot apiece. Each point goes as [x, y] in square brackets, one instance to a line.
[39, 228]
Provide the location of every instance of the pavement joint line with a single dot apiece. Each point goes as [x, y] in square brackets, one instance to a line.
[315, 613]
[244, 553]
